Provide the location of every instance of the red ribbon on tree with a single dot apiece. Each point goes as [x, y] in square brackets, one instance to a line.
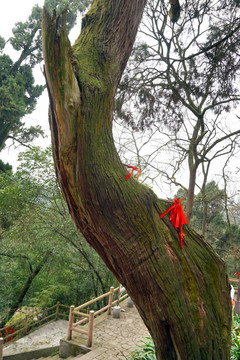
[133, 168]
[177, 218]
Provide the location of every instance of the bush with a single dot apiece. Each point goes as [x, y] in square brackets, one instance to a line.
[235, 350]
[145, 351]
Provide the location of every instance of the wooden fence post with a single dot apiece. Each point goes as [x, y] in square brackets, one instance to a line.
[70, 323]
[90, 328]
[110, 300]
[119, 294]
[26, 324]
[1, 348]
[57, 310]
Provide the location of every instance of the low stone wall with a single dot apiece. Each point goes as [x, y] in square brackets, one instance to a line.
[69, 347]
[33, 354]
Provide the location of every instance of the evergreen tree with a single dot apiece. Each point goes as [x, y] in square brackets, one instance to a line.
[43, 258]
[18, 92]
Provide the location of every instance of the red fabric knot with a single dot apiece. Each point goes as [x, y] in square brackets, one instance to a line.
[237, 274]
[133, 168]
[177, 218]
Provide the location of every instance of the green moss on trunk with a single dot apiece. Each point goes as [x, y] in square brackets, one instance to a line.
[182, 294]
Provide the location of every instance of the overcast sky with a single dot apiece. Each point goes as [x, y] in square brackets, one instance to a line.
[12, 11]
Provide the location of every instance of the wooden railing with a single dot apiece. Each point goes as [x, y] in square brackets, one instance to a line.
[234, 280]
[89, 315]
[23, 326]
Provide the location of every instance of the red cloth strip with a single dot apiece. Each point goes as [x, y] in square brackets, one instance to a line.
[177, 218]
[133, 168]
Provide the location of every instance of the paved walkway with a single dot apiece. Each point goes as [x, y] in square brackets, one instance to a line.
[48, 335]
[115, 338]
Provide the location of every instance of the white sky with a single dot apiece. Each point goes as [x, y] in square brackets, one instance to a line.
[12, 11]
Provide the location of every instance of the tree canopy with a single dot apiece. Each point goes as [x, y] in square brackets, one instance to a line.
[191, 64]
[43, 258]
[18, 91]
[182, 78]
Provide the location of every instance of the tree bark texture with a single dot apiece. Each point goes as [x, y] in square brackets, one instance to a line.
[181, 294]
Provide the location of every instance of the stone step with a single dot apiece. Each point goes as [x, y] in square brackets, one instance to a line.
[56, 357]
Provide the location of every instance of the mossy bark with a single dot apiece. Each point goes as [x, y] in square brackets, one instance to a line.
[181, 294]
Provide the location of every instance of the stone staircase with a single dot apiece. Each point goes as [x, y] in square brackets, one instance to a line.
[56, 357]
[114, 339]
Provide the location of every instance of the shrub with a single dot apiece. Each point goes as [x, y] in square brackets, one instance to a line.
[145, 351]
[235, 349]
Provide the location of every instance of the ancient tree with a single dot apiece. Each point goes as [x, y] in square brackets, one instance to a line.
[181, 294]
[18, 94]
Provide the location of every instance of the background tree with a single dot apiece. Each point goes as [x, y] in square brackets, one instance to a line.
[17, 89]
[222, 233]
[18, 92]
[183, 79]
[40, 246]
[119, 218]
[209, 212]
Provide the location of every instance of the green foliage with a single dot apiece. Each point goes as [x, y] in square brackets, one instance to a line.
[217, 228]
[27, 38]
[34, 222]
[145, 351]
[5, 166]
[21, 315]
[212, 199]
[18, 93]
[235, 349]
[2, 43]
[73, 7]
[18, 97]
[55, 353]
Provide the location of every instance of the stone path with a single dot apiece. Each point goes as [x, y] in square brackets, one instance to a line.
[46, 336]
[114, 339]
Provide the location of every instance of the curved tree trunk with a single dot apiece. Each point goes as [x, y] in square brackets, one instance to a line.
[181, 294]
